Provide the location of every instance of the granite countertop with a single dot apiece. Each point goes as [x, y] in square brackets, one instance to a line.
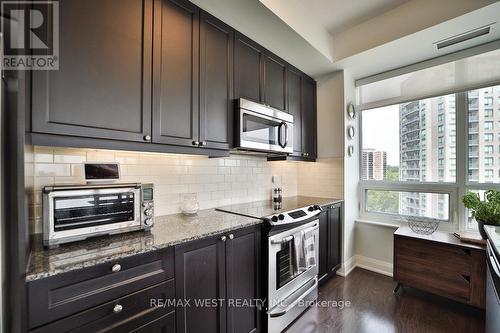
[258, 209]
[168, 230]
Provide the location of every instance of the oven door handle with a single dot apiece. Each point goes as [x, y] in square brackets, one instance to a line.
[291, 305]
[283, 240]
[290, 238]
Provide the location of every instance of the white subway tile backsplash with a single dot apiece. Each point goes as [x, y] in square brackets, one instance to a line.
[216, 182]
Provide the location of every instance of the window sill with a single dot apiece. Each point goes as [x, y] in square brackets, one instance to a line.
[381, 224]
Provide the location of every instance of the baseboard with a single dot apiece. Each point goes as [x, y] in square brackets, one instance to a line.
[374, 265]
[347, 266]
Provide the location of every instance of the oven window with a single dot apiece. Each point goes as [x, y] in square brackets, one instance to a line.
[92, 210]
[284, 265]
[260, 130]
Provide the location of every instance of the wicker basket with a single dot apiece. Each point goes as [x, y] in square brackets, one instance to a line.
[421, 225]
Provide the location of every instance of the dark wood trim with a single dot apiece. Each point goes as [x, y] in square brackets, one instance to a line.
[16, 248]
[81, 142]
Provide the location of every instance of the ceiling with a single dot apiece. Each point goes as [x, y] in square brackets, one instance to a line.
[338, 15]
[363, 36]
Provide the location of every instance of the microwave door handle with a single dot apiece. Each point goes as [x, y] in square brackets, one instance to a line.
[280, 135]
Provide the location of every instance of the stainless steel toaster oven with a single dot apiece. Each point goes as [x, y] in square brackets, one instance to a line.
[76, 212]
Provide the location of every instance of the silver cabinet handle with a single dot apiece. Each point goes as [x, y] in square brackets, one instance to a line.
[223, 238]
[231, 236]
[116, 268]
[203, 143]
[196, 143]
[147, 137]
[118, 308]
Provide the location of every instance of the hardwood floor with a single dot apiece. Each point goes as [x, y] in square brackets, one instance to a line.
[374, 308]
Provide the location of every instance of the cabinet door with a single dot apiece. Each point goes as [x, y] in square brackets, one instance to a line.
[243, 263]
[274, 82]
[176, 70]
[216, 83]
[248, 68]
[323, 246]
[165, 324]
[103, 86]
[200, 275]
[309, 117]
[294, 96]
[334, 224]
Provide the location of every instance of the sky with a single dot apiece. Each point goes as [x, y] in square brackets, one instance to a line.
[381, 131]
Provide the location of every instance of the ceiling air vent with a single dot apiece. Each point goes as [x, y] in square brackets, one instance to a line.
[464, 37]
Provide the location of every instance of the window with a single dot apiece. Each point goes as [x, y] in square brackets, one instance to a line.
[408, 203]
[424, 166]
[393, 148]
[488, 101]
[400, 149]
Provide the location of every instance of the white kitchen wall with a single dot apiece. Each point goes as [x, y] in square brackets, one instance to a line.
[325, 178]
[217, 181]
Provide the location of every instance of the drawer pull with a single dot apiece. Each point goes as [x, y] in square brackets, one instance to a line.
[118, 308]
[116, 268]
[231, 236]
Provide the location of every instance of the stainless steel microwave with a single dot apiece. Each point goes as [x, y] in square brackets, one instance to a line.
[76, 212]
[262, 128]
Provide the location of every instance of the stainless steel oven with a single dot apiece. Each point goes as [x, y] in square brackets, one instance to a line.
[290, 290]
[76, 212]
[262, 128]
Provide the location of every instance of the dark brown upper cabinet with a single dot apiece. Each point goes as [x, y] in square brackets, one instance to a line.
[221, 267]
[308, 118]
[175, 73]
[103, 86]
[248, 69]
[216, 83]
[274, 81]
[294, 96]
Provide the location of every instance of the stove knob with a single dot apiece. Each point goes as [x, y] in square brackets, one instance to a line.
[281, 217]
[316, 207]
[274, 218]
[311, 208]
[148, 222]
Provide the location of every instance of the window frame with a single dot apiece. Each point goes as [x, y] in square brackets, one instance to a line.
[457, 214]
[448, 188]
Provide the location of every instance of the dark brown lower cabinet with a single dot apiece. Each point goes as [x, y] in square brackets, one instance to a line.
[218, 272]
[109, 297]
[330, 222]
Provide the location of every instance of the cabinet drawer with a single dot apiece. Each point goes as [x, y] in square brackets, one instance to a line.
[136, 311]
[65, 294]
[441, 258]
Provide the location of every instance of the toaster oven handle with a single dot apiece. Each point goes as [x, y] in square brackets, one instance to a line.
[283, 144]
